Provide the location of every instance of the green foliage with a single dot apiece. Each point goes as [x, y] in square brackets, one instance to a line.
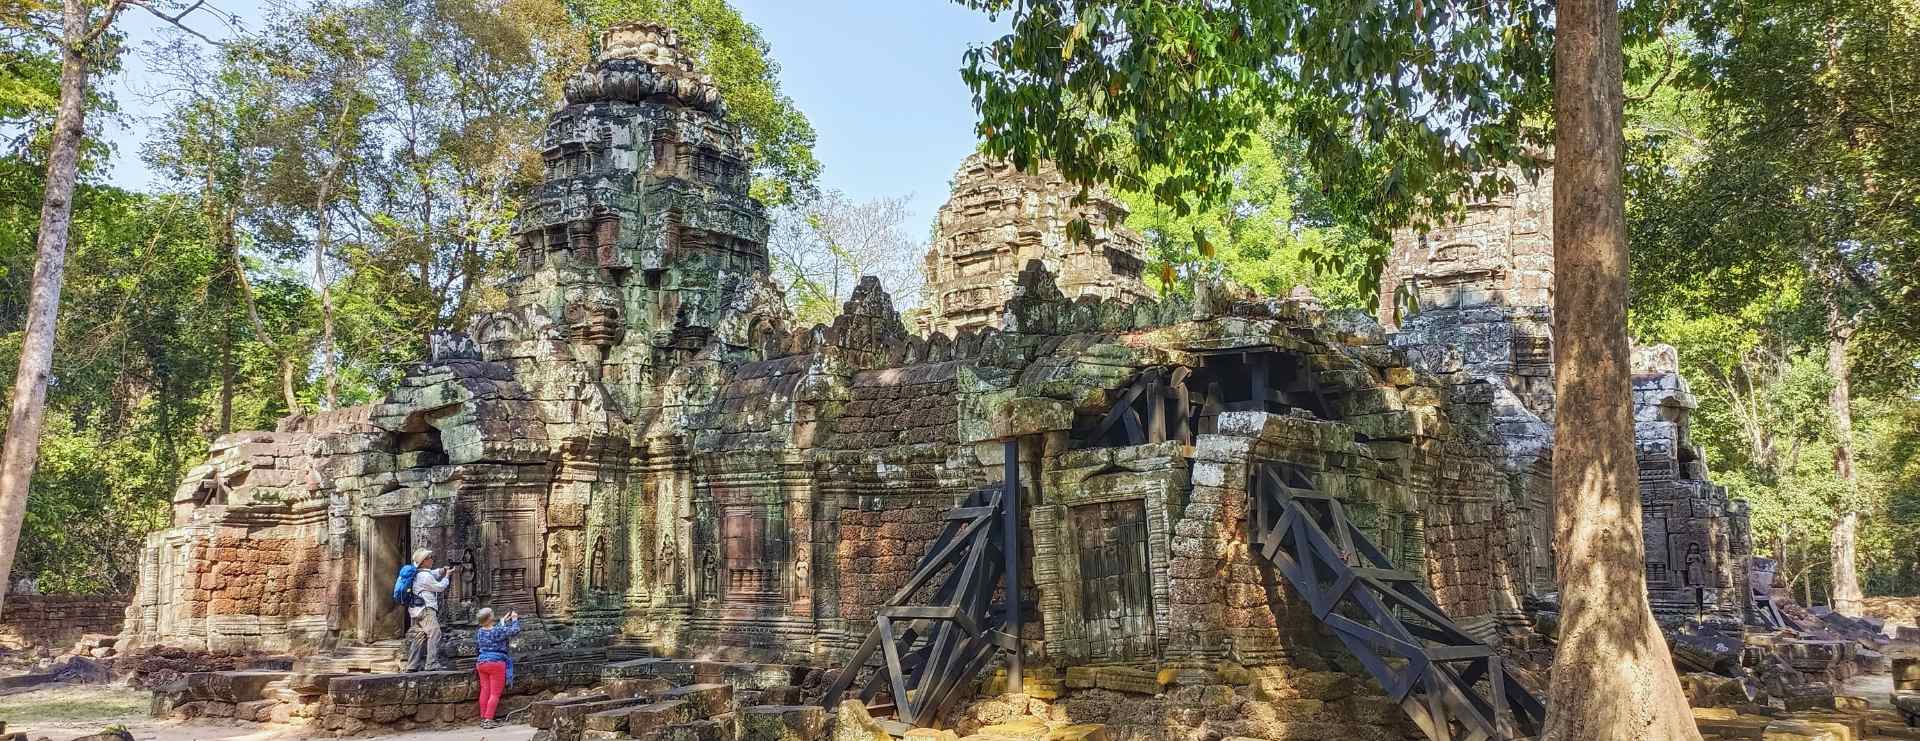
[29, 90]
[1271, 232]
[136, 374]
[741, 63]
[30, 84]
[1771, 167]
[1788, 154]
[1403, 107]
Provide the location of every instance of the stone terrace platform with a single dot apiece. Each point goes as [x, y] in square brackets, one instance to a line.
[566, 697]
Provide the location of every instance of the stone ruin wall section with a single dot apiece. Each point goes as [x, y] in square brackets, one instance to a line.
[642, 451]
[55, 621]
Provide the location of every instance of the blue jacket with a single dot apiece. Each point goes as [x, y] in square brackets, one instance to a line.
[492, 643]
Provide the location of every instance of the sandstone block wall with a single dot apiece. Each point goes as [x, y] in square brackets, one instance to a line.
[56, 621]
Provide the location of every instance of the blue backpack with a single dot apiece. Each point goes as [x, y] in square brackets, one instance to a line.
[403, 587]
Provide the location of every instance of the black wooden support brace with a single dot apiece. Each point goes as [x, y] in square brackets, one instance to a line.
[1452, 685]
[1010, 550]
[940, 629]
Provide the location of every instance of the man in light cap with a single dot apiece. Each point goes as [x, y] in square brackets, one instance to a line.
[424, 653]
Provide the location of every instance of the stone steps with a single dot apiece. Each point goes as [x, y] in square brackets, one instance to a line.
[574, 700]
[384, 656]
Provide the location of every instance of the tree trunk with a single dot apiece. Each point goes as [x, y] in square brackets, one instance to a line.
[323, 241]
[283, 358]
[1613, 677]
[328, 370]
[1846, 575]
[226, 379]
[29, 400]
[221, 225]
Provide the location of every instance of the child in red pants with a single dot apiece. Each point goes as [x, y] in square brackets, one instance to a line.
[494, 664]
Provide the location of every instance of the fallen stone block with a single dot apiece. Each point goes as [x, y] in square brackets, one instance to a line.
[1127, 679]
[626, 687]
[258, 711]
[653, 718]
[310, 683]
[1803, 730]
[1079, 732]
[707, 700]
[785, 695]
[1889, 724]
[1714, 714]
[1808, 697]
[1856, 723]
[1738, 726]
[607, 720]
[570, 720]
[852, 722]
[99, 640]
[101, 736]
[540, 714]
[781, 723]
[700, 730]
[1018, 729]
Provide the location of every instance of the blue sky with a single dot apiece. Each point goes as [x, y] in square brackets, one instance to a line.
[879, 79]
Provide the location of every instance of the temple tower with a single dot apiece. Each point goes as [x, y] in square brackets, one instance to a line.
[999, 218]
[643, 223]
[1473, 303]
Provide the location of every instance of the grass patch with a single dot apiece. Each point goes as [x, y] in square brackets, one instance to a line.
[74, 703]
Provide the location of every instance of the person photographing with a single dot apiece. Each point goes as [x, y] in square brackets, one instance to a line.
[422, 594]
[494, 663]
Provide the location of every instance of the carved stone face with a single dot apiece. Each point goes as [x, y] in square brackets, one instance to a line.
[595, 323]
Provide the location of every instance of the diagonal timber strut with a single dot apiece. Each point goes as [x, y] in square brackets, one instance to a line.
[1453, 686]
[930, 651]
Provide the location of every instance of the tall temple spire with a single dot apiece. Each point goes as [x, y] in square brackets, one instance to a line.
[643, 228]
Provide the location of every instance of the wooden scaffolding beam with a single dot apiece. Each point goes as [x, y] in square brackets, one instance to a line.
[932, 650]
[1453, 686]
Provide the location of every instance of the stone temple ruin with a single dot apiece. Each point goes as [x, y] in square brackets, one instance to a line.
[999, 218]
[679, 487]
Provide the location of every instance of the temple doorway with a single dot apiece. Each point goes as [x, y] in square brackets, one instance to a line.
[382, 553]
[1115, 579]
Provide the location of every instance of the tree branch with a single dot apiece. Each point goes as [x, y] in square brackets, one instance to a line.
[177, 20]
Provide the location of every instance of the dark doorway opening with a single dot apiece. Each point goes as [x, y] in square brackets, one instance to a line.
[386, 550]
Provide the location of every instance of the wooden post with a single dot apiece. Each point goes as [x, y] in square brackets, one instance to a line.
[1011, 521]
[1259, 383]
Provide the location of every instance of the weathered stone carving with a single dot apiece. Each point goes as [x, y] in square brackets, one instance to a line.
[1000, 218]
[1473, 305]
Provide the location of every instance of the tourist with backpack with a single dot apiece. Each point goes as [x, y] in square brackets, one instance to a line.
[494, 663]
[418, 587]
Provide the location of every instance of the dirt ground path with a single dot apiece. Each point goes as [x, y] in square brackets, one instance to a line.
[71, 711]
